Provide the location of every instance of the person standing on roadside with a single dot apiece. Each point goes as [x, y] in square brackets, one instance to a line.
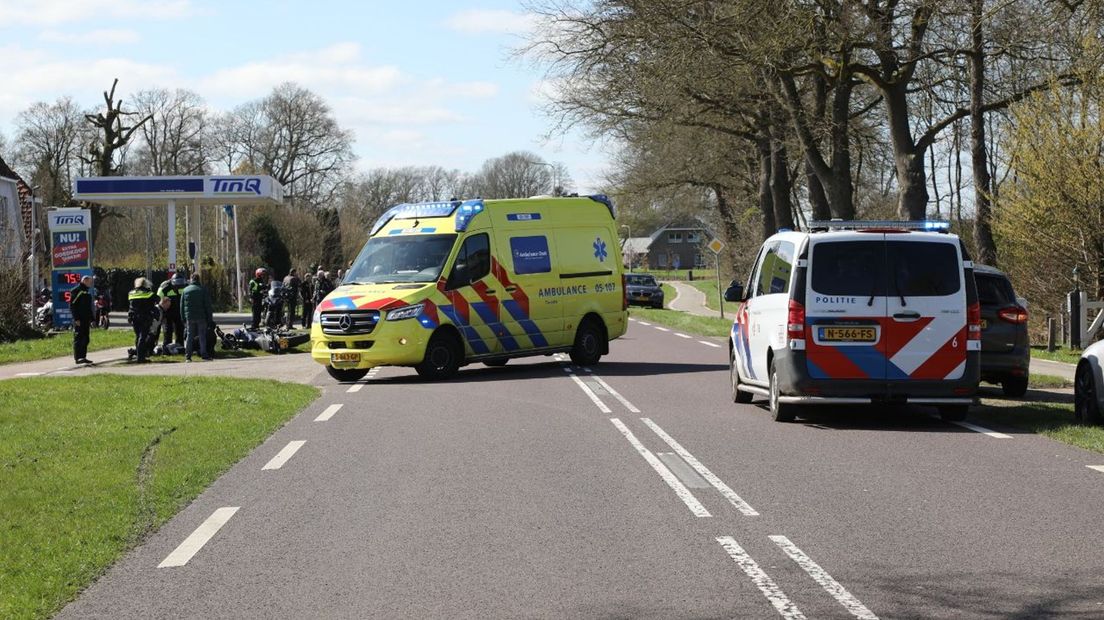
[291, 293]
[80, 302]
[258, 287]
[172, 329]
[198, 313]
[306, 293]
[322, 286]
[144, 310]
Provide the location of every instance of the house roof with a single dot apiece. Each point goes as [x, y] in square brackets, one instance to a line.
[24, 196]
[637, 245]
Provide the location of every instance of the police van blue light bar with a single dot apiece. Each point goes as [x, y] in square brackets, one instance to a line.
[924, 225]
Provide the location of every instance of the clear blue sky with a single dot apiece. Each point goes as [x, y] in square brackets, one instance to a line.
[419, 81]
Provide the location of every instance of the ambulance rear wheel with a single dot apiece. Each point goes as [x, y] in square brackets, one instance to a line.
[442, 357]
[587, 349]
[347, 375]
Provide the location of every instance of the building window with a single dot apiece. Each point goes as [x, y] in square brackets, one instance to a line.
[693, 237]
[662, 258]
[674, 237]
[699, 260]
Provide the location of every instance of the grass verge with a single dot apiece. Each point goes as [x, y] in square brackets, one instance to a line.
[61, 345]
[712, 300]
[1048, 381]
[1069, 356]
[91, 465]
[1054, 420]
[684, 321]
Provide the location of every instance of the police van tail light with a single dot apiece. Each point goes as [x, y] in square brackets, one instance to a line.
[795, 321]
[973, 322]
[1013, 314]
[624, 295]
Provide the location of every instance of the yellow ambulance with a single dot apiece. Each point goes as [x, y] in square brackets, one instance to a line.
[441, 285]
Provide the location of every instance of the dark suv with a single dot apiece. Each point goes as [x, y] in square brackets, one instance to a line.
[644, 290]
[1005, 353]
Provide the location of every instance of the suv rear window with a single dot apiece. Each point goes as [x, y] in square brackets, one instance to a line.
[994, 290]
[918, 269]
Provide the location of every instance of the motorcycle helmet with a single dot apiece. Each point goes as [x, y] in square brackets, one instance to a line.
[179, 279]
[261, 272]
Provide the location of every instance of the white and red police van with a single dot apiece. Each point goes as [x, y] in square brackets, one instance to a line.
[858, 313]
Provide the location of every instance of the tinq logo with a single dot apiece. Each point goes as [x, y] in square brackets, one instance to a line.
[62, 220]
[238, 186]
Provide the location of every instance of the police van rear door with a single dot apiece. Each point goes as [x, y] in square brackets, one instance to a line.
[926, 307]
[846, 306]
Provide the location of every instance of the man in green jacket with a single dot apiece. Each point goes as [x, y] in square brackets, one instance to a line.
[196, 309]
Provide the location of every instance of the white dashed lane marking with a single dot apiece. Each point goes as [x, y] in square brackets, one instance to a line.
[821, 576]
[353, 389]
[589, 392]
[710, 344]
[27, 374]
[194, 542]
[1099, 468]
[645, 323]
[682, 335]
[624, 401]
[668, 476]
[980, 429]
[785, 607]
[703, 471]
[283, 456]
[662, 329]
[328, 413]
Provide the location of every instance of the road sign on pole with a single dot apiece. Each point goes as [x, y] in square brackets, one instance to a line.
[716, 245]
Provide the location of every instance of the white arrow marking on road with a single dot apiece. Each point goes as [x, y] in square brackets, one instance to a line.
[624, 401]
[825, 580]
[193, 543]
[284, 455]
[589, 392]
[703, 471]
[766, 585]
[1099, 468]
[710, 344]
[328, 413]
[672, 481]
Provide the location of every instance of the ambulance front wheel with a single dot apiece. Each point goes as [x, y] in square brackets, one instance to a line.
[347, 375]
[587, 349]
[443, 357]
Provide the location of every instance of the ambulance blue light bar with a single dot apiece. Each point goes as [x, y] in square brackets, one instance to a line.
[923, 225]
[468, 209]
[408, 211]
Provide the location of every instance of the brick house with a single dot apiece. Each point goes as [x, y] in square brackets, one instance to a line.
[15, 215]
[680, 246]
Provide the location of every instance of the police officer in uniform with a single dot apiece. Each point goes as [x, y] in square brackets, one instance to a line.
[258, 287]
[80, 303]
[143, 312]
[172, 327]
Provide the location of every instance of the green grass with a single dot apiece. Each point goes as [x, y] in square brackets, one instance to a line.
[684, 321]
[91, 465]
[712, 299]
[61, 345]
[1069, 356]
[1048, 381]
[1054, 420]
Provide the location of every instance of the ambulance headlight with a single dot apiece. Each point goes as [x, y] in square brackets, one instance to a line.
[317, 317]
[406, 312]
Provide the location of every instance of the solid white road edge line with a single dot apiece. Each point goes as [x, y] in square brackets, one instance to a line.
[668, 476]
[662, 329]
[1099, 468]
[785, 607]
[624, 401]
[821, 576]
[703, 471]
[353, 389]
[328, 413]
[710, 344]
[682, 335]
[589, 392]
[284, 455]
[195, 541]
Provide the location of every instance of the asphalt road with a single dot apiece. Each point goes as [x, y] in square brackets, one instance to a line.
[638, 490]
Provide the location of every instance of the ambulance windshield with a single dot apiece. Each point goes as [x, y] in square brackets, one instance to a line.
[406, 258]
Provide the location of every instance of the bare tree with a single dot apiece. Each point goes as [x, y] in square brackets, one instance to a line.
[514, 175]
[47, 143]
[174, 139]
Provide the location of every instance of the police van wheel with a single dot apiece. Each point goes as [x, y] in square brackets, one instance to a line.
[738, 395]
[587, 349]
[781, 412]
[442, 357]
[1015, 387]
[496, 363]
[953, 413]
[347, 375]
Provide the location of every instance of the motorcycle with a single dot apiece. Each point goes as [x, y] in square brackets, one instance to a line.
[273, 307]
[45, 315]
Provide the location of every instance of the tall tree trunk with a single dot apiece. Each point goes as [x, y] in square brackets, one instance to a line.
[841, 193]
[766, 202]
[818, 200]
[908, 159]
[979, 159]
[729, 222]
[780, 185]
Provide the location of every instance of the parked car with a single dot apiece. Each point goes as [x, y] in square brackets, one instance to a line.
[1005, 350]
[858, 312]
[1088, 386]
[643, 290]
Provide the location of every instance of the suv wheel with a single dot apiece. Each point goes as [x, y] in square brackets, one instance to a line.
[738, 396]
[1014, 386]
[953, 413]
[782, 412]
[1086, 408]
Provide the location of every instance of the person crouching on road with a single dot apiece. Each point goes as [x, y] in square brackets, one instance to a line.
[258, 288]
[80, 303]
[198, 312]
[143, 312]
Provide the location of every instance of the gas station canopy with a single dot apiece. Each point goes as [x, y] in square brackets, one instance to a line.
[241, 190]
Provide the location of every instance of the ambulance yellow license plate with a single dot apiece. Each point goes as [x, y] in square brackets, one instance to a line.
[848, 334]
[344, 359]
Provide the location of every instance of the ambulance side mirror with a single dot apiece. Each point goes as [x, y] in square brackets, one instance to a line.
[734, 292]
